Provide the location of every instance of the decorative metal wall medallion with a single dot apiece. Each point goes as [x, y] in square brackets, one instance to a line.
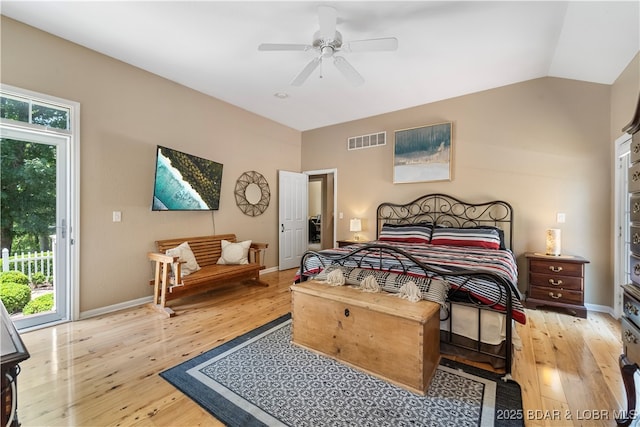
[252, 193]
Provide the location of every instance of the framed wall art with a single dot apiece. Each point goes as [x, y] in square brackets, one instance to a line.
[423, 154]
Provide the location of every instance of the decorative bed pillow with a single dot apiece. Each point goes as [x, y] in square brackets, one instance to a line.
[184, 252]
[234, 253]
[435, 290]
[500, 233]
[406, 233]
[488, 238]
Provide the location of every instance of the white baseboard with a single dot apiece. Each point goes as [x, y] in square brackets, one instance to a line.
[115, 307]
[269, 270]
[600, 308]
[136, 302]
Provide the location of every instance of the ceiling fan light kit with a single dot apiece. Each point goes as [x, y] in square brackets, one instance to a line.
[327, 41]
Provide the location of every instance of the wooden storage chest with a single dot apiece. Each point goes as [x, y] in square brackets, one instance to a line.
[379, 333]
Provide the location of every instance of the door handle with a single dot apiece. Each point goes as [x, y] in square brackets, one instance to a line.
[282, 225]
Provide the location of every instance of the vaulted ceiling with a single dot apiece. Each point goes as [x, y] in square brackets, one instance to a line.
[445, 48]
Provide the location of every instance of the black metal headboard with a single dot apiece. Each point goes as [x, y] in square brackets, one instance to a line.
[442, 209]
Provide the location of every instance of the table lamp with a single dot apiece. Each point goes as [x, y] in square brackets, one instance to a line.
[355, 225]
[553, 241]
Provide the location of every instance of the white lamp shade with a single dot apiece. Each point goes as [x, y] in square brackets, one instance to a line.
[355, 225]
[553, 241]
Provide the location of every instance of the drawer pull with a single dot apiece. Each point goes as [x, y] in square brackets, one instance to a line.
[630, 337]
[555, 283]
[636, 207]
[636, 176]
[636, 148]
[555, 269]
[636, 238]
[630, 309]
[636, 269]
[554, 296]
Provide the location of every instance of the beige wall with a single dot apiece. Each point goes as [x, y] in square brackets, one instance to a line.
[125, 113]
[542, 145]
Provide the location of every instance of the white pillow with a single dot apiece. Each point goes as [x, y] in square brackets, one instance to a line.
[234, 253]
[185, 254]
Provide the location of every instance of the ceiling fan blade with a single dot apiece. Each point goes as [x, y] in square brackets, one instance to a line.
[306, 72]
[348, 71]
[327, 17]
[283, 46]
[370, 45]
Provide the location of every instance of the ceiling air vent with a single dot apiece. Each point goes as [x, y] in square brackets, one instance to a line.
[366, 141]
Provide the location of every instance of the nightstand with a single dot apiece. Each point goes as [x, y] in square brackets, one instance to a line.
[556, 281]
[343, 243]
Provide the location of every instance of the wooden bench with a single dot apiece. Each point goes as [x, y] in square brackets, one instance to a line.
[207, 250]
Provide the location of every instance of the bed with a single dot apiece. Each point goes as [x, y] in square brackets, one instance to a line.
[458, 254]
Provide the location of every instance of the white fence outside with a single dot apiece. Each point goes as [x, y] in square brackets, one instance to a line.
[29, 263]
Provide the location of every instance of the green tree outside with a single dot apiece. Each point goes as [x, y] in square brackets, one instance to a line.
[28, 179]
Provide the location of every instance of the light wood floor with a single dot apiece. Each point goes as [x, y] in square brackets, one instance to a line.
[104, 370]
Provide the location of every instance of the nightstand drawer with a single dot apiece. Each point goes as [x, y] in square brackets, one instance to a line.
[562, 296]
[556, 281]
[556, 267]
[630, 340]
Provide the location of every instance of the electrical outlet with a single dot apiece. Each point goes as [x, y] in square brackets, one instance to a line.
[117, 216]
[561, 217]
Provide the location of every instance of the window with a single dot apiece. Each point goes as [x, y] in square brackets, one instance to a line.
[35, 112]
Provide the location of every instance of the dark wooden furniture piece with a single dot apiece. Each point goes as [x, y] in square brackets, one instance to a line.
[556, 281]
[12, 352]
[630, 321]
[343, 243]
[207, 250]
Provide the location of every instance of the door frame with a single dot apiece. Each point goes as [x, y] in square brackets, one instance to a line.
[72, 206]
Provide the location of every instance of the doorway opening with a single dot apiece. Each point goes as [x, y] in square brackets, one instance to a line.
[321, 210]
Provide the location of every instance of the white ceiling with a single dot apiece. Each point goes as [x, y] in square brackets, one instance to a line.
[446, 48]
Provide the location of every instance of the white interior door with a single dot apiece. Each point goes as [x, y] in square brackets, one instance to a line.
[293, 217]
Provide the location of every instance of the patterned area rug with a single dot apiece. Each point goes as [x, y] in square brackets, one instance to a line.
[260, 378]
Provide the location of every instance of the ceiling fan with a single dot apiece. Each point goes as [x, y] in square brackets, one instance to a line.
[327, 42]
